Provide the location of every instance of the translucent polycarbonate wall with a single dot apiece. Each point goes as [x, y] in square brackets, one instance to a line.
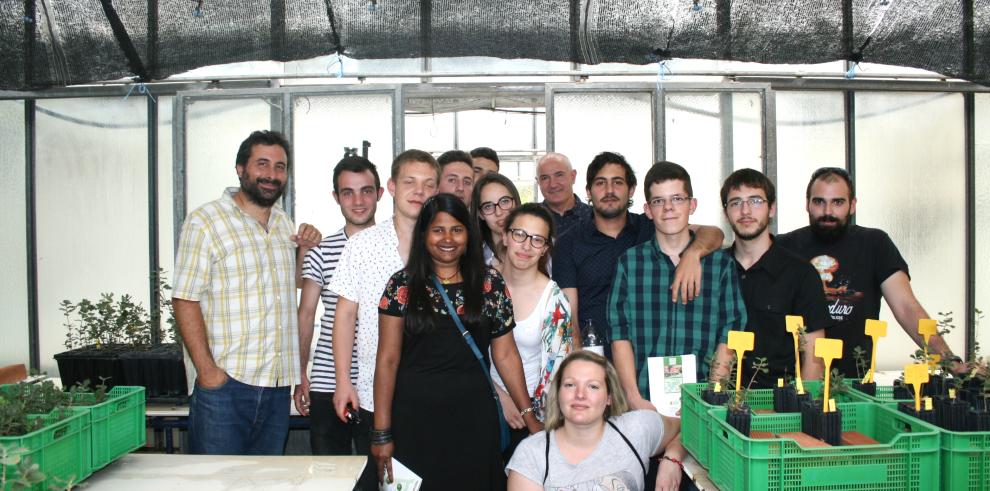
[214, 130]
[982, 252]
[711, 134]
[13, 242]
[433, 133]
[322, 127]
[92, 207]
[810, 134]
[910, 177]
[588, 123]
[500, 130]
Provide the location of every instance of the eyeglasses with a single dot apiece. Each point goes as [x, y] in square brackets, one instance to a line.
[505, 203]
[676, 200]
[519, 235]
[755, 202]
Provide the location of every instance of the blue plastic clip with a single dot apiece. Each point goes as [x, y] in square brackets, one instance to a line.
[339, 61]
[142, 89]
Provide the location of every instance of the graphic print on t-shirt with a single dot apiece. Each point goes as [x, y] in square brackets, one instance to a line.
[618, 481]
[841, 296]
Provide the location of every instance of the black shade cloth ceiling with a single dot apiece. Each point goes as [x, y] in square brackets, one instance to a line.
[48, 43]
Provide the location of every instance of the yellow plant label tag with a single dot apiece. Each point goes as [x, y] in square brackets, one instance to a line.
[831, 405]
[828, 350]
[928, 404]
[952, 393]
[927, 328]
[780, 382]
[916, 374]
[718, 387]
[876, 328]
[741, 341]
[794, 323]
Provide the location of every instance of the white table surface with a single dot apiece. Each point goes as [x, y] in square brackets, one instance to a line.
[153, 472]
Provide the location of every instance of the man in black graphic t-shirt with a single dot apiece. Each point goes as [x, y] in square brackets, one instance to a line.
[858, 266]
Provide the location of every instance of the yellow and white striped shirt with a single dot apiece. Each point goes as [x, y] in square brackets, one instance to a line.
[243, 277]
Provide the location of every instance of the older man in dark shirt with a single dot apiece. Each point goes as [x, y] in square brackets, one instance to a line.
[556, 177]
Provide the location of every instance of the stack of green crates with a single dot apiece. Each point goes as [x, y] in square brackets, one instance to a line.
[118, 424]
[906, 458]
[60, 449]
[697, 426]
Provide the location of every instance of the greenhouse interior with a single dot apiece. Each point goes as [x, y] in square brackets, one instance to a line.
[121, 119]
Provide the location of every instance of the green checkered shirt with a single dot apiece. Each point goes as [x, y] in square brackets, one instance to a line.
[640, 310]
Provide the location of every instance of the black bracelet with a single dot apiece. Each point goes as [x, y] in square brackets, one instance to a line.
[380, 437]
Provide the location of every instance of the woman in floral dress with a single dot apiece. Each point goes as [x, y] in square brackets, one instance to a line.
[435, 411]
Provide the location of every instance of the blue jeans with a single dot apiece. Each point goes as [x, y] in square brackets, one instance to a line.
[238, 419]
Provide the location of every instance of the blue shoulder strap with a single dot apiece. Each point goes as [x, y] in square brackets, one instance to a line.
[503, 426]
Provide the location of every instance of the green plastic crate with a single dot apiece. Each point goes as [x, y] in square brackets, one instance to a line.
[118, 424]
[696, 425]
[907, 457]
[60, 448]
[885, 395]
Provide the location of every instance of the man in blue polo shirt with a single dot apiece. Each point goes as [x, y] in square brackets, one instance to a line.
[584, 259]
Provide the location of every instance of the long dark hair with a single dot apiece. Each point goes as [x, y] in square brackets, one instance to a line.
[476, 215]
[539, 211]
[419, 311]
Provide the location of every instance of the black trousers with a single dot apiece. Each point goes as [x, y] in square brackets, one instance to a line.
[328, 435]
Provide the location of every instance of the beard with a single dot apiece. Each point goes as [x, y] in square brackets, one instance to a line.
[761, 226]
[608, 213]
[829, 234]
[260, 196]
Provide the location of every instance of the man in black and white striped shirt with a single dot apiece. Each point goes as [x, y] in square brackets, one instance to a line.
[357, 189]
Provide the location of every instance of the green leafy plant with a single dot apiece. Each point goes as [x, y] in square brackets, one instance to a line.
[14, 419]
[25, 473]
[838, 384]
[738, 402]
[859, 355]
[113, 320]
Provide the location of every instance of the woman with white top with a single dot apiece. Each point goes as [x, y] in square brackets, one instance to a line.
[493, 197]
[592, 439]
[543, 331]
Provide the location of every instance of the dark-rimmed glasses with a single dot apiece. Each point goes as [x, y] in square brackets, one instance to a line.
[537, 241]
[505, 202]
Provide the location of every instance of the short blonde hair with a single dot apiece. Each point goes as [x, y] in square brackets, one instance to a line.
[555, 417]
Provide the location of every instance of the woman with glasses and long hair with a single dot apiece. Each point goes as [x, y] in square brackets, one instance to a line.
[434, 406]
[493, 197]
[592, 439]
[543, 332]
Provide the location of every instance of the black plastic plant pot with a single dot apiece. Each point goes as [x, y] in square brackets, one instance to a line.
[799, 400]
[936, 386]
[902, 391]
[784, 399]
[810, 410]
[159, 369]
[98, 365]
[869, 388]
[740, 418]
[715, 398]
[951, 414]
[924, 415]
[979, 420]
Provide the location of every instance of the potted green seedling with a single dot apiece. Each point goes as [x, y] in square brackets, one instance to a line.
[116, 339]
[739, 415]
[820, 418]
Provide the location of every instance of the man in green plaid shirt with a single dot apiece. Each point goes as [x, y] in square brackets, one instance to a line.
[644, 322]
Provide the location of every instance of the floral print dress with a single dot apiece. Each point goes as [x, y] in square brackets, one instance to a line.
[444, 420]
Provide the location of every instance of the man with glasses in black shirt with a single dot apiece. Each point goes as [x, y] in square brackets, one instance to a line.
[774, 282]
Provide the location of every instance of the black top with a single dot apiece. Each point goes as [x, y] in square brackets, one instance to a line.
[852, 270]
[585, 259]
[778, 285]
[566, 222]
